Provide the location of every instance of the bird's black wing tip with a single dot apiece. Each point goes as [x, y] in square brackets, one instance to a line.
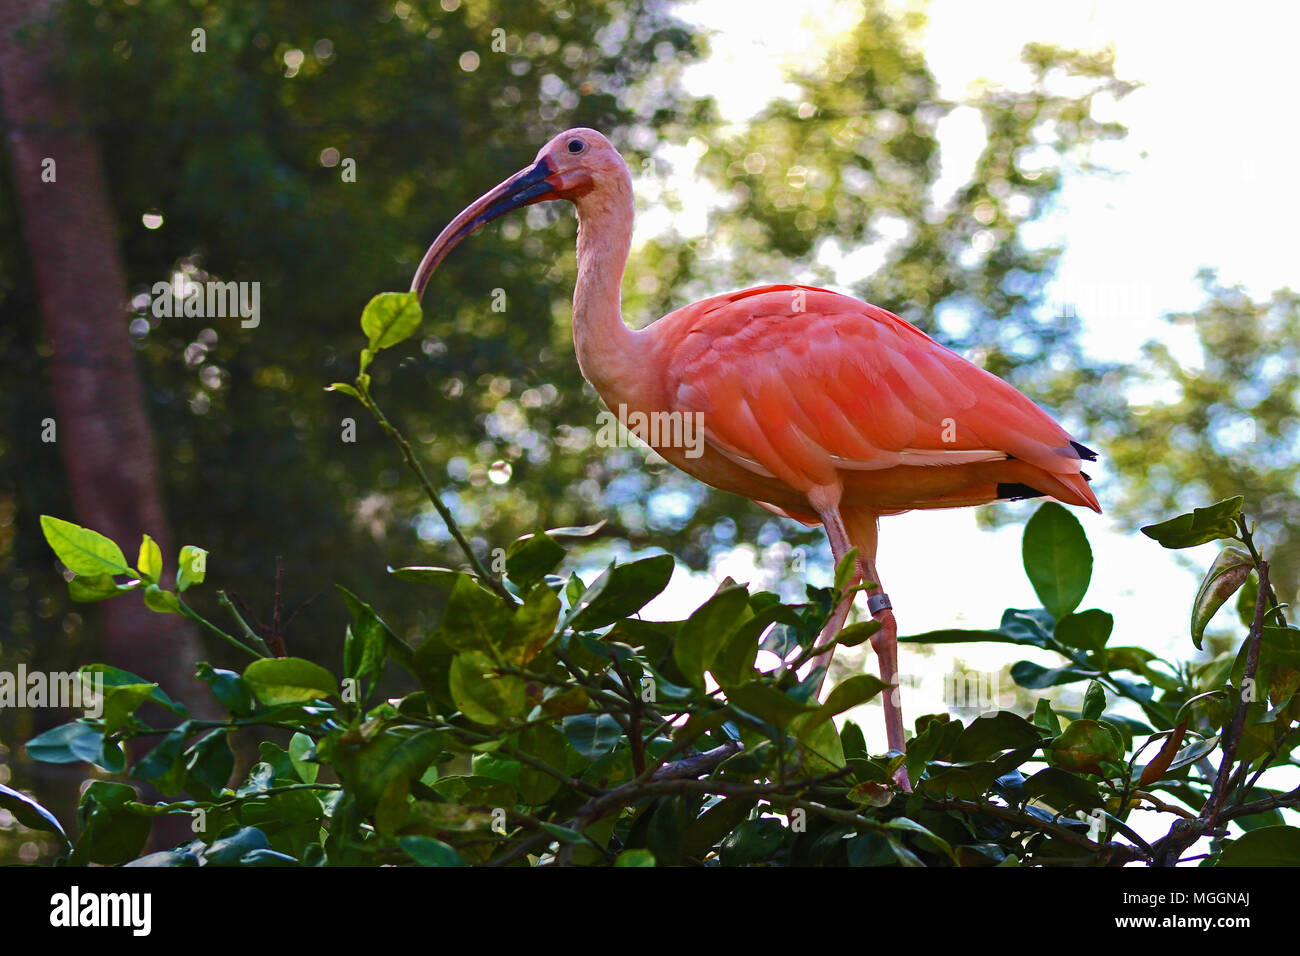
[1015, 491]
[1086, 453]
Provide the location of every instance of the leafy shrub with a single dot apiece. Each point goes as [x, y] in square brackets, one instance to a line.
[552, 725]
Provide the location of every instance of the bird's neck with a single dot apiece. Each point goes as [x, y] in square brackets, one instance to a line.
[605, 346]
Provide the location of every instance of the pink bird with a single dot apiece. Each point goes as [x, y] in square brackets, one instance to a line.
[817, 406]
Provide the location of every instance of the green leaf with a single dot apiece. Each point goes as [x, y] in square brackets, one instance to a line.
[1062, 791]
[209, 763]
[301, 749]
[1246, 599]
[114, 677]
[1084, 746]
[390, 318]
[150, 562]
[857, 633]
[76, 742]
[230, 850]
[1036, 676]
[592, 735]
[1057, 558]
[765, 702]
[345, 388]
[922, 833]
[1266, 846]
[847, 694]
[1229, 571]
[1087, 630]
[474, 618]
[193, 567]
[289, 680]
[1094, 701]
[635, 858]
[83, 551]
[532, 628]
[88, 588]
[1201, 526]
[531, 558]
[228, 687]
[481, 694]
[955, 636]
[426, 575]
[847, 567]
[621, 590]
[30, 813]
[991, 734]
[165, 766]
[427, 851]
[122, 701]
[160, 601]
[576, 531]
[373, 639]
[705, 632]
[545, 743]
[752, 842]
[110, 834]
[1045, 718]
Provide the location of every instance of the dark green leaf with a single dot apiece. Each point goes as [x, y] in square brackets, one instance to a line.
[622, 590]
[531, 558]
[1087, 630]
[1057, 558]
[1036, 677]
[705, 632]
[592, 735]
[76, 742]
[1201, 526]
[1062, 791]
[765, 702]
[427, 851]
[1266, 846]
[29, 813]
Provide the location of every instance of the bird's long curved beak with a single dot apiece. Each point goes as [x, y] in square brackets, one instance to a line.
[524, 188]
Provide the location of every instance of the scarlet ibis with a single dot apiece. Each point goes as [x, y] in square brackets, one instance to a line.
[817, 406]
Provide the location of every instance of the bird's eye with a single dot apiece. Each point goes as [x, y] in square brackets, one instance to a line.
[576, 146]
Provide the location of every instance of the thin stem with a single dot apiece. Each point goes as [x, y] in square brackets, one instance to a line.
[1248, 539]
[413, 463]
[198, 618]
[249, 634]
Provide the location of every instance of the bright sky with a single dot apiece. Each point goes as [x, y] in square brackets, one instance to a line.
[1206, 180]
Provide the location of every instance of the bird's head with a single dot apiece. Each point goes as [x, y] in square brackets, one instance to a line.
[579, 165]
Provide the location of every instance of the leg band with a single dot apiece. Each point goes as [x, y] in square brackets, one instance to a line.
[878, 602]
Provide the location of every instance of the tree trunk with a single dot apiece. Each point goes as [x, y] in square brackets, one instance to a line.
[103, 433]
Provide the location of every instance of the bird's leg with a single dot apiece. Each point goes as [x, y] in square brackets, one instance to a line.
[885, 643]
[840, 545]
[862, 530]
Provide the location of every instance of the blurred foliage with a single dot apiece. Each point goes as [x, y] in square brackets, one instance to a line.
[1227, 423]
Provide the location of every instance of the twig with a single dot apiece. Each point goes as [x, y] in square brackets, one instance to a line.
[408, 454]
[1184, 834]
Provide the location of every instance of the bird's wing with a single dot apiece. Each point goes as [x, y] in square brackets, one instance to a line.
[799, 383]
